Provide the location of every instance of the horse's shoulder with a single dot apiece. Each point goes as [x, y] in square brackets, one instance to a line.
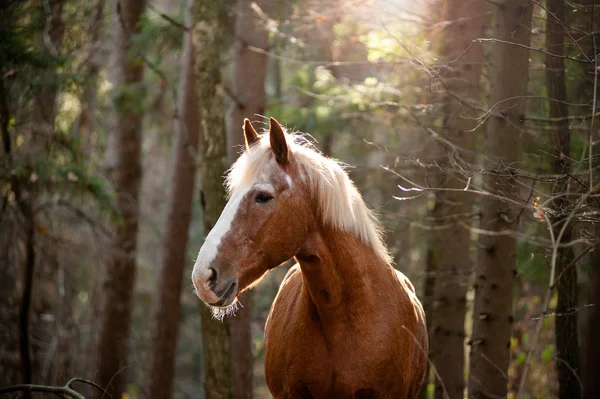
[410, 290]
[293, 270]
[405, 281]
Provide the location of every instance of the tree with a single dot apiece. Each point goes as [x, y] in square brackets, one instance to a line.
[496, 255]
[86, 123]
[208, 34]
[591, 383]
[125, 174]
[589, 85]
[248, 100]
[166, 311]
[450, 247]
[566, 324]
[249, 69]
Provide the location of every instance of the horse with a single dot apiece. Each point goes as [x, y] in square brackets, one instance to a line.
[344, 323]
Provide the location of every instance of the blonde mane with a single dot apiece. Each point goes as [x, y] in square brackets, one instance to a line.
[341, 204]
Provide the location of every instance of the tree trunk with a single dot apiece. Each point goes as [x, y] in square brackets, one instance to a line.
[591, 382]
[248, 101]
[249, 71]
[165, 316]
[590, 347]
[87, 120]
[451, 247]
[567, 344]
[427, 299]
[496, 267]
[125, 174]
[208, 34]
[25, 308]
[44, 299]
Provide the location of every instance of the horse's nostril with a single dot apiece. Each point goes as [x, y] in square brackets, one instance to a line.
[212, 279]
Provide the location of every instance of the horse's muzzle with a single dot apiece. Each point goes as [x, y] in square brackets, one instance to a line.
[227, 293]
[214, 288]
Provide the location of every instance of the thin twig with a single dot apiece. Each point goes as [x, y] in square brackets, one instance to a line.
[567, 32]
[541, 50]
[559, 119]
[168, 19]
[551, 286]
[573, 263]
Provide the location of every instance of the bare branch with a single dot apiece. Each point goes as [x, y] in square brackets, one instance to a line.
[167, 18]
[540, 50]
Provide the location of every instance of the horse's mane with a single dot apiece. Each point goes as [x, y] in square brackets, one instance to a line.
[341, 204]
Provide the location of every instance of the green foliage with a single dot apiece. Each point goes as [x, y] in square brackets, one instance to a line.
[49, 162]
[17, 44]
[158, 34]
[547, 354]
[532, 262]
[129, 98]
[63, 178]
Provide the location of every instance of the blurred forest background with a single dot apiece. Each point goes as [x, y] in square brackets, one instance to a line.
[471, 126]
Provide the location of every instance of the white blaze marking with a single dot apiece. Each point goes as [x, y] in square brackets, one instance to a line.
[208, 252]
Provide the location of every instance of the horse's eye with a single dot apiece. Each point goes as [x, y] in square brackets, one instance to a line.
[263, 198]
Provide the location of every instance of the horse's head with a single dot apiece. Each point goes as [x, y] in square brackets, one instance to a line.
[265, 221]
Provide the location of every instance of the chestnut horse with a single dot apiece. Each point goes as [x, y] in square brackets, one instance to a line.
[345, 323]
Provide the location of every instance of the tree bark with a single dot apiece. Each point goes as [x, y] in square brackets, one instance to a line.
[451, 247]
[125, 174]
[25, 308]
[87, 120]
[591, 382]
[567, 344]
[495, 268]
[248, 100]
[208, 34]
[590, 345]
[165, 316]
[427, 299]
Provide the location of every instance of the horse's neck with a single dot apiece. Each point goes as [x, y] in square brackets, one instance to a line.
[341, 273]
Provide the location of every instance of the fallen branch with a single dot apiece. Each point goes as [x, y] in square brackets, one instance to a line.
[67, 389]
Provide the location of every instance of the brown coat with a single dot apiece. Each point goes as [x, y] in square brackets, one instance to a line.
[344, 325]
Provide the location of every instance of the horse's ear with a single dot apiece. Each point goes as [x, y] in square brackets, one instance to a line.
[278, 143]
[249, 133]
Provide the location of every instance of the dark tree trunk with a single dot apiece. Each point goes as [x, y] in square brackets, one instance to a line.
[567, 344]
[450, 248]
[125, 174]
[591, 382]
[165, 316]
[208, 34]
[589, 16]
[496, 264]
[427, 298]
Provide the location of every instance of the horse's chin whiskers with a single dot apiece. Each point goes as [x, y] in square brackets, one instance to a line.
[220, 313]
